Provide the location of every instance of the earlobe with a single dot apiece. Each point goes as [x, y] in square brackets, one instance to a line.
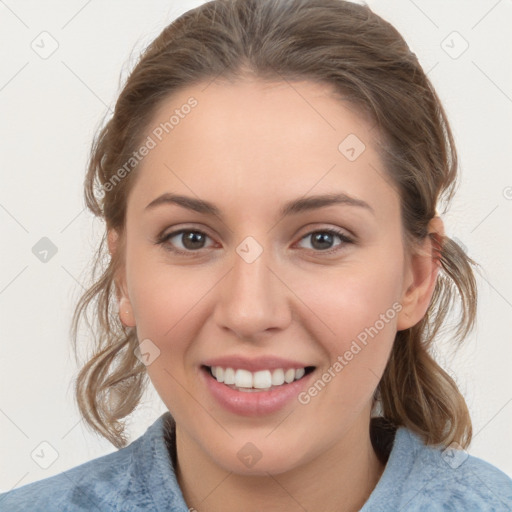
[423, 269]
[112, 237]
[125, 308]
[126, 312]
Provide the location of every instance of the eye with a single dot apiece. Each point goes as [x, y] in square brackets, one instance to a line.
[192, 240]
[322, 240]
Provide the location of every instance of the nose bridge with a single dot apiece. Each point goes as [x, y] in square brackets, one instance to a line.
[253, 299]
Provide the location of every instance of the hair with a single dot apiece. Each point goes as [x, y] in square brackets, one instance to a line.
[369, 64]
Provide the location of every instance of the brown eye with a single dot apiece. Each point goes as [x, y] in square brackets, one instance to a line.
[191, 241]
[322, 240]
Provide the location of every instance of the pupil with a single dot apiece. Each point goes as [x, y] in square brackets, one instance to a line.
[323, 238]
[193, 237]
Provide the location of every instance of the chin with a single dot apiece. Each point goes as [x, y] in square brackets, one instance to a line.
[249, 460]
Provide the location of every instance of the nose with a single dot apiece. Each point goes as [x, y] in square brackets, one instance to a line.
[254, 300]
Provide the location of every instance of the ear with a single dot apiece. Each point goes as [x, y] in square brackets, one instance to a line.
[125, 307]
[420, 276]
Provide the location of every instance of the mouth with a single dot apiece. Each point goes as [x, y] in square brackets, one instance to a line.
[245, 381]
[257, 386]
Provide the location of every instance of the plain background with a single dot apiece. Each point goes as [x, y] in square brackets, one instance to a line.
[50, 109]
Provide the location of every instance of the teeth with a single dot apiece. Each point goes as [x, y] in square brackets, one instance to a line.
[289, 376]
[263, 379]
[243, 379]
[278, 377]
[229, 376]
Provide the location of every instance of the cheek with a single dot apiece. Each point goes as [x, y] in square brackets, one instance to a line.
[358, 306]
[357, 333]
[166, 299]
[348, 301]
[167, 303]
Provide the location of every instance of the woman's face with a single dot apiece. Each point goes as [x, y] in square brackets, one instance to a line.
[283, 253]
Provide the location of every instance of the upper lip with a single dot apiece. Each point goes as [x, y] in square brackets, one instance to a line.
[255, 364]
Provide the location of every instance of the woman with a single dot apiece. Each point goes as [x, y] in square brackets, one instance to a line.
[269, 183]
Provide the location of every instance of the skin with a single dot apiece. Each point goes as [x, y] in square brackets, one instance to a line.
[249, 147]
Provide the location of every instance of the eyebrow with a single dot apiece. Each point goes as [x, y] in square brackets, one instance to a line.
[290, 208]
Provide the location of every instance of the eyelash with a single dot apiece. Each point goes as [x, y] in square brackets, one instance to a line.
[163, 240]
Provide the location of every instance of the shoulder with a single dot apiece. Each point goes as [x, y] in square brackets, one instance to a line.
[135, 477]
[90, 486]
[418, 477]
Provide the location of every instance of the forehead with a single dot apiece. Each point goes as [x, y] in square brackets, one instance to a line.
[252, 140]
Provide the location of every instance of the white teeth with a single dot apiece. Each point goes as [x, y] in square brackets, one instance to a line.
[278, 377]
[243, 379]
[263, 379]
[229, 376]
[289, 375]
[299, 373]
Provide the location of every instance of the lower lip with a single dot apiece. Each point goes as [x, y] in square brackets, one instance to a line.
[256, 403]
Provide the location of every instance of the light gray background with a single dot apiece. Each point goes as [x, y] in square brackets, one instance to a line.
[49, 111]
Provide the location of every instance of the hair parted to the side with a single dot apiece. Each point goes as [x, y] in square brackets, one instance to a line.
[367, 61]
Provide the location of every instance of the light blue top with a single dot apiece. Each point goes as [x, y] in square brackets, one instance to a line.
[140, 476]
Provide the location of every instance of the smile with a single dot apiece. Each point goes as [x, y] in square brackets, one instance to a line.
[267, 380]
[255, 393]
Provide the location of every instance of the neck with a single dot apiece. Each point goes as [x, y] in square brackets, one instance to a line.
[340, 479]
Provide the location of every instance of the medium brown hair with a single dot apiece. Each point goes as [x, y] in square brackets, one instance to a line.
[366, 60]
